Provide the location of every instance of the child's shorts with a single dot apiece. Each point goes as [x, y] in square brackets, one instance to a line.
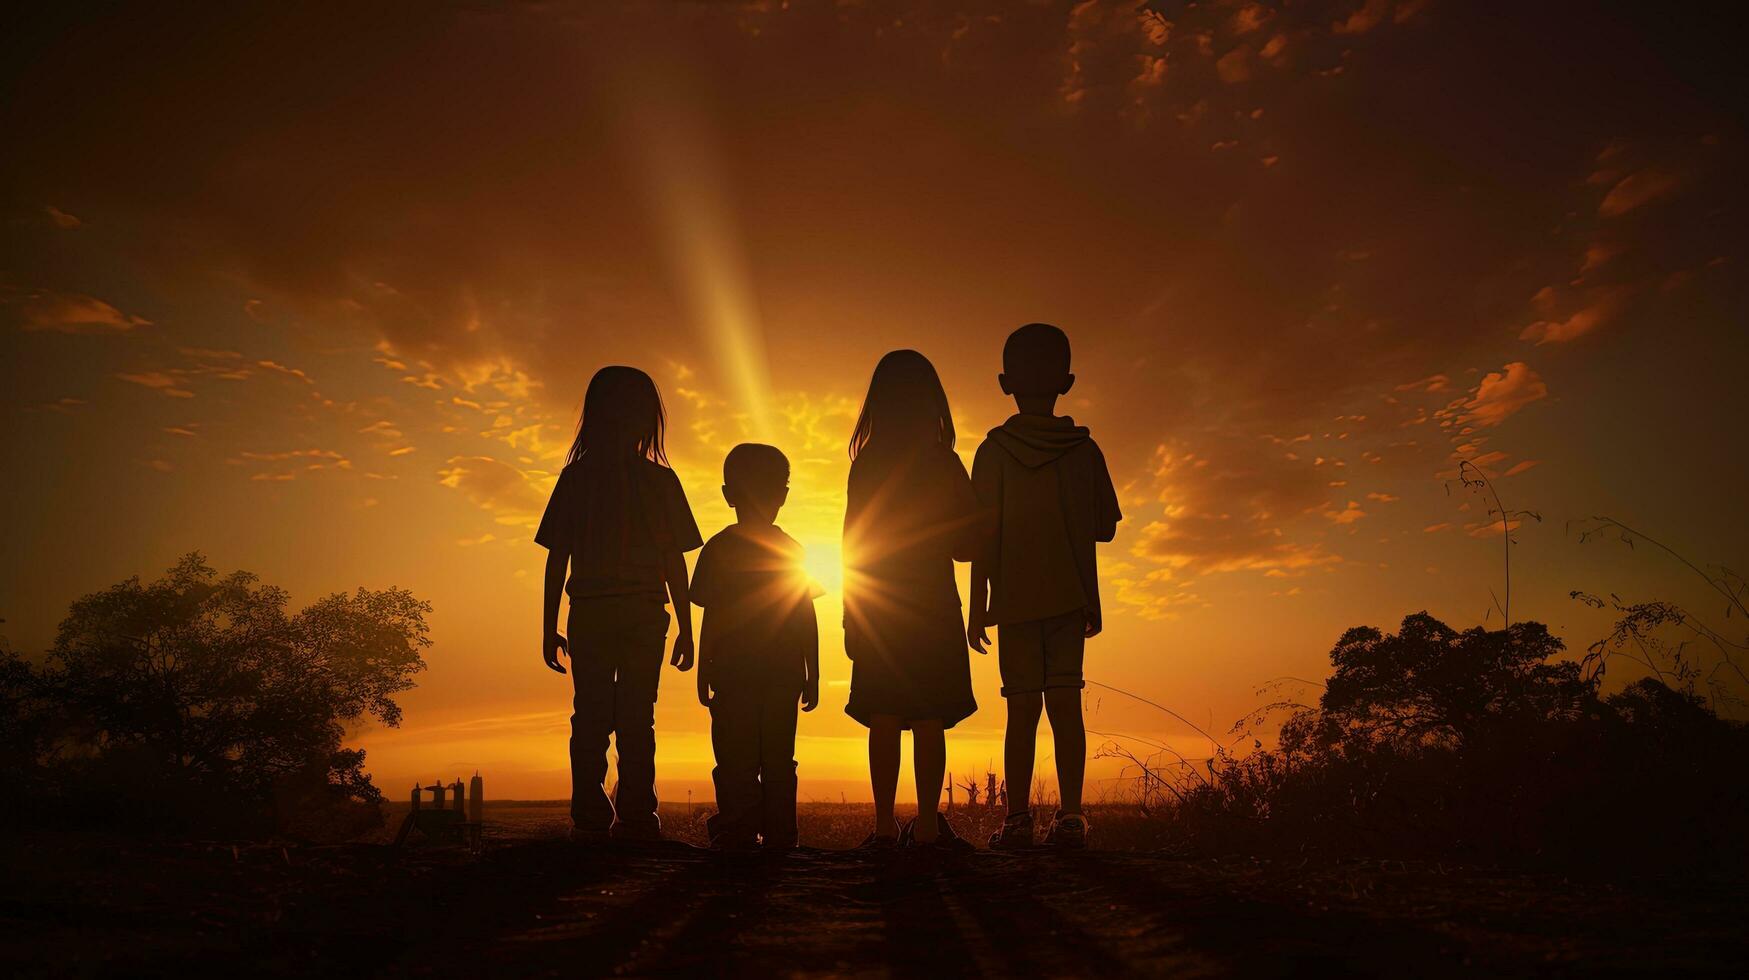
[1041, 654]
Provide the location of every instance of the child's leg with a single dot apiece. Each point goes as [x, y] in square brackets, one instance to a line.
[929, 764]
[643, 633]
[777, 766]
[1020, 655]
[591, 724]
[735, 743]
[1019, 748]
[883, 769]
[1065, 643]
[1070, 735]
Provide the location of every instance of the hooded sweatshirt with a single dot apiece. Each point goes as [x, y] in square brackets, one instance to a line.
[1044, 481]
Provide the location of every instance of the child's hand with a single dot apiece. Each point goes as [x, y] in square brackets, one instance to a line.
[704, 688]
[810, 694]
[552, 647]
[976, 635]
[682, 652]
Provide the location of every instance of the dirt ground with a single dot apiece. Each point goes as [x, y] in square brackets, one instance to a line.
[534, 905]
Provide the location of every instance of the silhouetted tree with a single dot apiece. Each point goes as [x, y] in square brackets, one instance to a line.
[204, 684]
[1429, 685]
[27, 722]
[1653, 709]
[971, 788]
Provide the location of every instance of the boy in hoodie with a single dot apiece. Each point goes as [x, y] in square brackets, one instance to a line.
[1048, 498]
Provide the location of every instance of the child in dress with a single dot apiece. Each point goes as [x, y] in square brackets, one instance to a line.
[910, 513]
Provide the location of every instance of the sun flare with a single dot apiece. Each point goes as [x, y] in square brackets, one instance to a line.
[824, 563]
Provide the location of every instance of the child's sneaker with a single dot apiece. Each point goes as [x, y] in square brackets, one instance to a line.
[1016, 832]
[881, 842]
[947, 840]
[1068, 831]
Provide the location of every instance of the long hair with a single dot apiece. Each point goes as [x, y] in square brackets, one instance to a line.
[622, 412]
[905, 402]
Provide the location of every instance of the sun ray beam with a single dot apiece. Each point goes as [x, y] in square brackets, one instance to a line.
[677, 157]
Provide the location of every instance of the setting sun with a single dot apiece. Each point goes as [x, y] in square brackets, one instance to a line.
[824, 563]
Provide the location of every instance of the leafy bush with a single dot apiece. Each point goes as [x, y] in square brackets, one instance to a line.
[1477, 745]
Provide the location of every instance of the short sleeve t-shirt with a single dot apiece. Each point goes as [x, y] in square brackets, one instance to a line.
[616, 519]
[758, 606]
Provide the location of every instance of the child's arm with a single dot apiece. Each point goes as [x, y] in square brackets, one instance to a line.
[967, 516]
[706, 650]
[552, 645]
[1106, 515]
[674, 573]
[1106, 512]
[811, 659]
[978, 607]
[987, 486]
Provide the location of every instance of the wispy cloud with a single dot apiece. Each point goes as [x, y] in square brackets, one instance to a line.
[61, 219]
[1596, 307]
[74, 313]
[63, 406]
[158, 381]
[1501, 395]
[1637, 190]
[1347, 515]
[282, 369]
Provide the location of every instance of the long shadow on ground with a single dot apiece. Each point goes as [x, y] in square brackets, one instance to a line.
[546, 908]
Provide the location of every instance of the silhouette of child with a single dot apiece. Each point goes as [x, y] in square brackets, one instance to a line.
[619, 519]
[1048, 498]
[759, 649]
[909, 514]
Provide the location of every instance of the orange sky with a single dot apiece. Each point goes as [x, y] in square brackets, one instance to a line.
[317, 293]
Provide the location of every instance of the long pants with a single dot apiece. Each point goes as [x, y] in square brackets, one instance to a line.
[753, 733]
[616, 646]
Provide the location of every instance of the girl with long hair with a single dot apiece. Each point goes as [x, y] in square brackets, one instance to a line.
[910, 513]
[618, 521]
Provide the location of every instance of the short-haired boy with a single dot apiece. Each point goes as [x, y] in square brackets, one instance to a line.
[1048, 497]
[759, 650]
